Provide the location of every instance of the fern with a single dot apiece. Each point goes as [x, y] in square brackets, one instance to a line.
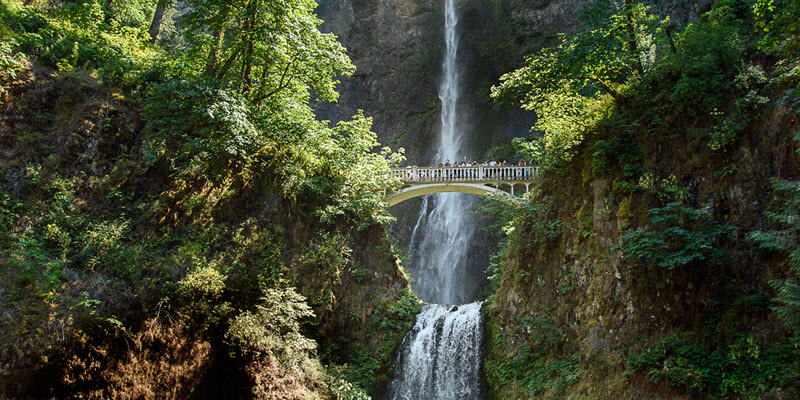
[783, 238]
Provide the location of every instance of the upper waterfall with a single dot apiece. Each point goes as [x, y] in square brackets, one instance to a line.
[451, 135]
[443, 230]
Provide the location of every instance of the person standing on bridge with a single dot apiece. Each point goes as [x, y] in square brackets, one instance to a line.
[448, 173]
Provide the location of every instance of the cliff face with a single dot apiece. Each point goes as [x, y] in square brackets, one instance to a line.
[636, 271]
[397, 48]
[571, 305]
[122, 316]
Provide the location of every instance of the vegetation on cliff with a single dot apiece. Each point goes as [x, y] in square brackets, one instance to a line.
[658, 258]
[175, 223]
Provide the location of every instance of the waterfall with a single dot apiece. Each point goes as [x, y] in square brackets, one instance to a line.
[439, 258]
[440, 358]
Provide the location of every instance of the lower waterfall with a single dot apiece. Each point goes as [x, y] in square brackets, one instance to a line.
[440, 358]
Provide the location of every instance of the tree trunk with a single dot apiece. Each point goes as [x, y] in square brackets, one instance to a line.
[248, 64]
[214, 52]
[247, 59]
[672, 48]
[155, 26]
[633, 45]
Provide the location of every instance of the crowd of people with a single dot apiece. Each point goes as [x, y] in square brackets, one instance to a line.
[491, 163]
[521, 170]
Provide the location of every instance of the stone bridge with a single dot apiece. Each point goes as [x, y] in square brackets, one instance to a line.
[419, 181]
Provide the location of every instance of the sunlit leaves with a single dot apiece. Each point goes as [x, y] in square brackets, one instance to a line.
[85, 35]
[565, 85]
[273, 331]
[266, 47]
[362, 173]
[779, 24]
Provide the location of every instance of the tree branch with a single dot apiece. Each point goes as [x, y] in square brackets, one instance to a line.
[228, 64]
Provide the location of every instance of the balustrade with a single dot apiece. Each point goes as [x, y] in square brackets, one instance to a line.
[466, 174]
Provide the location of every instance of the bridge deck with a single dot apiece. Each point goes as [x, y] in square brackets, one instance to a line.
[480, 174]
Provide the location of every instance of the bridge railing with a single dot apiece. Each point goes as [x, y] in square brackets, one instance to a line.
[466, 174]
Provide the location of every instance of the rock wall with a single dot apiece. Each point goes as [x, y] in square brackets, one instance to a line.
[573, 306]
[397, 48]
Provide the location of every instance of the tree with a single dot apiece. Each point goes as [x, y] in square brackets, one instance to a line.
[565, 83]
[267, 46]
[779, 23]
[158, 16]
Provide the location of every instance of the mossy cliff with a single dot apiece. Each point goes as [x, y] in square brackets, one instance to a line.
[127, 276]
[631, 273]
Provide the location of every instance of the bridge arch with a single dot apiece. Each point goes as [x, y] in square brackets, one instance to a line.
[452, 187]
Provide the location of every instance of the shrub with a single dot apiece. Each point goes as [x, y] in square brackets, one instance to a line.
[675, 237]
[273, 330]
[784, 239]
[740, 370]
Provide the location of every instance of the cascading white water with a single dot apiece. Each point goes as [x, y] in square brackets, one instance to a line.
[441, 253]
[441, 357]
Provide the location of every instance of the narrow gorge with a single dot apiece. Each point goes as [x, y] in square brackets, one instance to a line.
[210, 199]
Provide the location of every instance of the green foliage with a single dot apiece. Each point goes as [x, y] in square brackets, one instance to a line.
[400, 316]
[339, 386]
[626, 57]
[621, 149]
[265, 47]
[320, 266]
[260, 248]
[739, 371]
[533, 368]
[392, 320]
[203, 129]
[778, 22]
[273, 330]
[351, 173]
[9, 212]
[508, 215]
[565, 85]
[207, 132]
[10, 62]
[182, 203]
[711, 82]
[784, 239]
[88, 35]
[36, 265]
[536, 375]
[508, 219]
[676, 236]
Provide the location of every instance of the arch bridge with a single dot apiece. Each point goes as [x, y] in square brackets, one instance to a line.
[419, 181]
